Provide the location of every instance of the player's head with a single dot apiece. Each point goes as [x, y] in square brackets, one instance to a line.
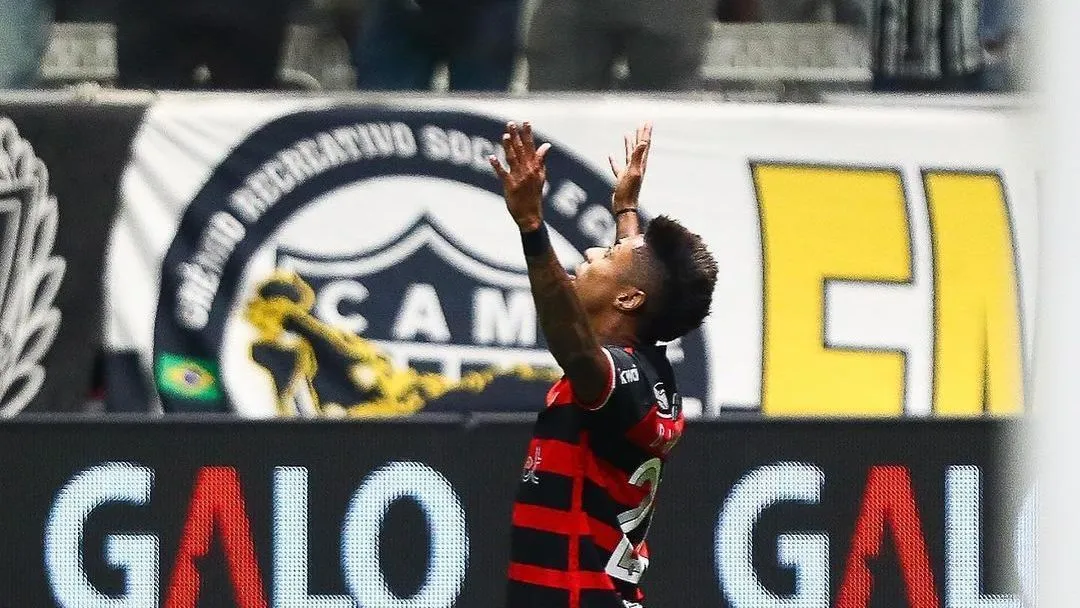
[658, 285]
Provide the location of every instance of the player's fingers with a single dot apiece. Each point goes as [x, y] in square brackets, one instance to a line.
[639, 154]
[497, 166]
[541, 154]
[527, 139]
[628, 146]
[508, 148]
[648, 145]
[614, 167]
[515, 140]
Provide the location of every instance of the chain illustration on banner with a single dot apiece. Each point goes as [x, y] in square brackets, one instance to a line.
[30, 275]
[295, 347]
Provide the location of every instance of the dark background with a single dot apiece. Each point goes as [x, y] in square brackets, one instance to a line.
[483, 462]
[85, 147]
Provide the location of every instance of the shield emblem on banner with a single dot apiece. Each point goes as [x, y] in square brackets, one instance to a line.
[390, 330]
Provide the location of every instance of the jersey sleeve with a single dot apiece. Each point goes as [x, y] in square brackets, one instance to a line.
[625, 377]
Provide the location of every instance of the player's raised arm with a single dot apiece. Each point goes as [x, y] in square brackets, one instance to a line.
[624, 200]
[562, 319]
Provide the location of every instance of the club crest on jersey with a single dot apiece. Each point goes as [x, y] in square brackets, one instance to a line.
[666, 407]
[337, 264]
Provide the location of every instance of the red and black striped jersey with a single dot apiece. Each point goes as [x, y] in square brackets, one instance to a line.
[589, 484]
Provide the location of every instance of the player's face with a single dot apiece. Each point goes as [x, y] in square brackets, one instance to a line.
[603, 275]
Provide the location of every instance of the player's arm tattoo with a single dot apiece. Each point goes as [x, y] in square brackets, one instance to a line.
[563, 321]
[627, 224]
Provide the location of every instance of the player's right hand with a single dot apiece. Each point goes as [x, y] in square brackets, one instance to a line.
[628, 179]
[523, 182]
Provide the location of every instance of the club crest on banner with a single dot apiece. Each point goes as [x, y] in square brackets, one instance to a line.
[359, 262]
[30, 275]
[346, 363]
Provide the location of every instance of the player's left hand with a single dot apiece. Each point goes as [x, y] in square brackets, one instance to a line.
[523, 182]
[628, 179]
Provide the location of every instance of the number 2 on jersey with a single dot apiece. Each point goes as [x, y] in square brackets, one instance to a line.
[625, 564]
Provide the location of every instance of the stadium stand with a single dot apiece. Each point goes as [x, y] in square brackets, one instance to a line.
[781, 59]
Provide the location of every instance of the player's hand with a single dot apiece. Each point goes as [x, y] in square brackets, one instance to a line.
[628, 178]
[523, 182]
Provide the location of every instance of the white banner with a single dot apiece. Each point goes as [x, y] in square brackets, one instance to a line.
[311, 257]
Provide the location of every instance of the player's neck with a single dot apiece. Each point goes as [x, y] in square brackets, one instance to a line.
[615, 329]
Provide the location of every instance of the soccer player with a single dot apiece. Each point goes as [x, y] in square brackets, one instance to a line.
[594, 465]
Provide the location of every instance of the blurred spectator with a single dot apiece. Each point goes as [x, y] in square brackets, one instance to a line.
[401, 42]
[999, 28]
[86, 11]
[24, 36]
[575, 45]
[200, 44]
[737, 11]
[343, 17]
[849, 12]
[927, 46]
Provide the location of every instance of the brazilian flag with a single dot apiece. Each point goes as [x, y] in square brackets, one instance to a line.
[187, 378]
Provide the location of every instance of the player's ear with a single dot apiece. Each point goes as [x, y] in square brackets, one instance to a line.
[630, 299]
